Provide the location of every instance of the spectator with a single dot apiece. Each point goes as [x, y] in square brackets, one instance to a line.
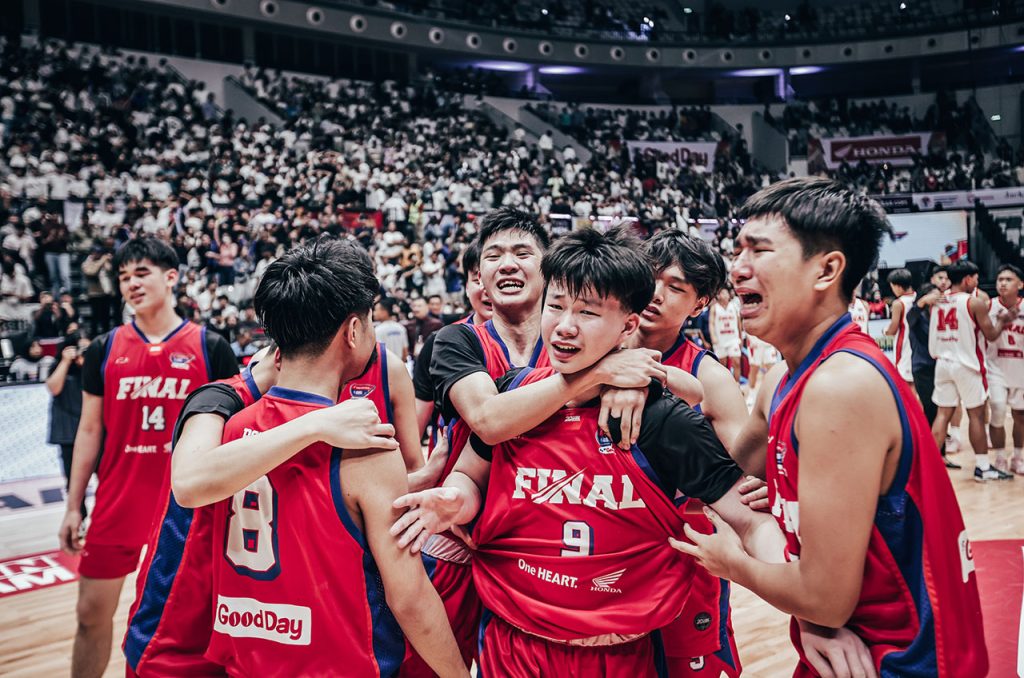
[65, 385]
[31, 366]
[389, 331]
[243, 345]
[15, 289]
[54, 246]
[99, 288]
[421, 324]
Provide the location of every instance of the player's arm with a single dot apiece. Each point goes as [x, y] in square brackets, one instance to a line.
[723, 402]
[841, 471]
[466, 386]
[894, 321]
[684, 386]
[88, 441]
[403, 406]
[424, 413]
[376, 478]
[979, 310]
[201, 475]
[448, 507]
[750, 446]
[712, 312]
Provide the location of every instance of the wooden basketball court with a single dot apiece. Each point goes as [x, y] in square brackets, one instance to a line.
[38, 625]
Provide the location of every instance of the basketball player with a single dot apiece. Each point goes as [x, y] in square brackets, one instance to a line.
[960, 374]
[135, 379]
[467, 359]
[902, 283]
[727, 331]
[859, 312]
[304, 560]
[579, 577]
[1005, 363]
[899, 572]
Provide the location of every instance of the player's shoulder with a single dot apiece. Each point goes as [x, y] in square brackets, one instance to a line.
[844, 380]
[453, 333]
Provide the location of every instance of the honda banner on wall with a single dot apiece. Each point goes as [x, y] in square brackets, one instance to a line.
[896, 150]
[700, 155]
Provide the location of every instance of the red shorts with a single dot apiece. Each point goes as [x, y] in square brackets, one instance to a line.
[700, 628]
[107, 561]
[725, 662]
[454, 583]
[508, 652]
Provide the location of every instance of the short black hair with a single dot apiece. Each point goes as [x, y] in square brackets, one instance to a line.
[1012, 269]
[702, 266]
[824, 214]
[902, 277]
[388, 304]
[612, 264]
[306, 296]
[959, 270]
[146, 247]
[434, 296]
[938, 268]
[470, 259]
[511, 219]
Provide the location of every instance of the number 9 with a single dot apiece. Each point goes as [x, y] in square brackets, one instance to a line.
[577, 538]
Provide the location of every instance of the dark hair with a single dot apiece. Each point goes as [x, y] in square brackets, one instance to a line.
[146, 247]
[434, 296]
[938, 268]
[901, 277]
[470, 259]
[511, 219]
[824, 214]
[388, 304]
[702, 266]
[1012, 269]
[924, 290]
[959, 270]
[612, 264]
[306, 296]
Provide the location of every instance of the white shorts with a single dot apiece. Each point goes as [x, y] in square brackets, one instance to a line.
[1002, 397]
[957, 384]
[763, 354]
[728, 349]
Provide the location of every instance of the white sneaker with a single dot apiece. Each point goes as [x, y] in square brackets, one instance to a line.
[952, 445]
[1002, 464]
[991, 473]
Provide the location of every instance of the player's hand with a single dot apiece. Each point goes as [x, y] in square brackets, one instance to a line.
[719, 553]
[354, 425]
[754, 493]
[429, 512]
[436, 461]
[836, 653]
[69, 534]
[627, 407]
[69, 354]
[630, 368]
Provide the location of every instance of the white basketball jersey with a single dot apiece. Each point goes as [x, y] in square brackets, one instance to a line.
[727, 323]
[902, 347]
[1005, 356]
[859, 314]
[953, 334]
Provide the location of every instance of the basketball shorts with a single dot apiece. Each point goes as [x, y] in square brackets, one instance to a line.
[107, 561]
[700, 628]
[728, 349]
[957, 384]
[763, 354]
[510, 653]
[1003, 398]
[725, 662]
[454, 584]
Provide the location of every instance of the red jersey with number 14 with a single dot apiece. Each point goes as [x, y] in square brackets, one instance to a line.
[296, 589]
[573, 537]
[145, 386]
[918, 612]
[170, 622]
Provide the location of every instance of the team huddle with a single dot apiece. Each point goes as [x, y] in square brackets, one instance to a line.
[596, 483]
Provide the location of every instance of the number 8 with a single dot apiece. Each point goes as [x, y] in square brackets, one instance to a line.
[577, 536]
[251, 541]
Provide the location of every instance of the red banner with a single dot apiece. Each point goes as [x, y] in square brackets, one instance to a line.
[40, 571]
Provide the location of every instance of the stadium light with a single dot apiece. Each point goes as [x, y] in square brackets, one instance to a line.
[561, 70]
[505, 66]
[755, 72]
[687, 10]
[996, 118]
[805, 70]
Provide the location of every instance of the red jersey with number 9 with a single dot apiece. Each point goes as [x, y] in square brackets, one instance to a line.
[295, 588]
[573, 537]
[918, 612]
[145, 386]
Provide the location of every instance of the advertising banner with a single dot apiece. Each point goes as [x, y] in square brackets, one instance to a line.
[700, 155]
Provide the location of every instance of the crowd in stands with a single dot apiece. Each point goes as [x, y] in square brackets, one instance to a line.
[98, 147]
[693, 22]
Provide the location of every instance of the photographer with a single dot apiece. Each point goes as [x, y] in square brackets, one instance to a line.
[65, 385]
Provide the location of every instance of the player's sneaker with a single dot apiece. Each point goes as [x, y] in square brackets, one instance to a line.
[952, 444]
[991, 473]
[951, 464]
[1002, 463]
[1017, 465]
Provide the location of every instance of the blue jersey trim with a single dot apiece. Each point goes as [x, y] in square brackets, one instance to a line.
[382, 353]
[106, 352]
[645, 466]
[725, 650]
[537, 350]
[679, 343]
[146, 340]
[163, 569]
[388, 641]
[250, 383]
[489, 326]
[486, 617]
[206, 352]
[785, 386]
[517, 381]
[299, 396]
[660, 658]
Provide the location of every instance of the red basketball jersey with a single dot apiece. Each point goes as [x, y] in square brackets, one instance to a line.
[573, 536]
[918, 612]
[144, 387]
[296, 589]
[702, 627]
[373, 385]
[170, 622]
